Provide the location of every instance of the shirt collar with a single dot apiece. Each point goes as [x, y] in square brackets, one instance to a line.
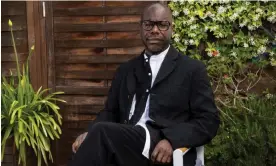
[161, 55]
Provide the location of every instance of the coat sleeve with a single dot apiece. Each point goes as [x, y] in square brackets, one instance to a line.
[204, 122]
[110, 113]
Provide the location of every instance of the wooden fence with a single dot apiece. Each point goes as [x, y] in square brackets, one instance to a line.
[78, 46]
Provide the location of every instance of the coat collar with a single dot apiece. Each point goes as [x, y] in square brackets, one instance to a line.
[167, 66]
[138, 70]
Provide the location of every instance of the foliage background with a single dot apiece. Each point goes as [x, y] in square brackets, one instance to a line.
[237, 42]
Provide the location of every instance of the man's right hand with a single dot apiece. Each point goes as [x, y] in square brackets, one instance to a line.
[78, 142]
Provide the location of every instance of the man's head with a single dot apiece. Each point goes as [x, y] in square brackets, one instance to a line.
[156, 27]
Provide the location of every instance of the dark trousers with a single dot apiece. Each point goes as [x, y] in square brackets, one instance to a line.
[114, 144]
[111, 143]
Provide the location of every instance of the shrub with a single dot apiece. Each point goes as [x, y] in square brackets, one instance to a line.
[247, 135]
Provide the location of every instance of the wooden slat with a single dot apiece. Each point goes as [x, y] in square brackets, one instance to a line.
[133, 50]
[7, 53]
[6, 67]
[118, 27]
[19, 36]
[86, 75]
[96, 91]
[81, 109]
[79, 36]
[10, 50]
[98, 43]
[127, 3]
[76, 4]
[13, 8]
[69, 135]
[79, 19]
[76, 117]
[94, 59]
[121, 19]
[97, 19]
[79, 51]
[8, 159]
[8, 150]
[77, 125]
[113, 66]
[123, 35]
[98, 11]
[79, 82]
[19, 23]
[80, 67]
[7, 164]
[83, 99]
[7, 71]
[10, 57]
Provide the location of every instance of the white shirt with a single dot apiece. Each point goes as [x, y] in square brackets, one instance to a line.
[155, 64]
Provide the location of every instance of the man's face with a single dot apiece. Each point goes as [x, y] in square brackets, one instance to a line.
[156, 30]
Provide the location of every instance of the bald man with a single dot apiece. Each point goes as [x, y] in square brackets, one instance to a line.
[158, 101]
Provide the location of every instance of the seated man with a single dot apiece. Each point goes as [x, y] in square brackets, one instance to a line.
[158, 101]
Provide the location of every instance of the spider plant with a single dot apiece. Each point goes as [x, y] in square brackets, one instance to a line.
[30, 118]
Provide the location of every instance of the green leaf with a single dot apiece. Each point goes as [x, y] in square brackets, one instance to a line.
[22, 153]
[39, 158]
[44, 141]
[14, 113]
[20, 126]
[4, 140]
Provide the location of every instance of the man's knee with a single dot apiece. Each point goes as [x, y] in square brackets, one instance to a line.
[100, 126]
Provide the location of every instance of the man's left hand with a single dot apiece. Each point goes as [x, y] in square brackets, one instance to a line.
[162, 152]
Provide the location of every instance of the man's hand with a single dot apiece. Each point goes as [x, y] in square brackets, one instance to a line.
[78, 142]
[162, 152]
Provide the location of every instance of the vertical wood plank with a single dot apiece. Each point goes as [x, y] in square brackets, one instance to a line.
[36, 37]
[42, 43]
[31, 41]
[49, 34]
[50, 58]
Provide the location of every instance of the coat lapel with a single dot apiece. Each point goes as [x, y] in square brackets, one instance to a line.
[136, 74]
[167, 66]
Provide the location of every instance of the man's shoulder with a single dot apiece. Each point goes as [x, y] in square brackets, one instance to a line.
[190, 62]
[126, 66]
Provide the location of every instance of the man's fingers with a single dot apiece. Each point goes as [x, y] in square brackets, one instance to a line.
[160, 156]
[165, 158]
[83, 136]
[78, 142]
[74, 147]
[169, 159]
[154, 154]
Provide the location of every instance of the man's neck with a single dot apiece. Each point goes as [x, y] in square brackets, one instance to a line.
[156, 53]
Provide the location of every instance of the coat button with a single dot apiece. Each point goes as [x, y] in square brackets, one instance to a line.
[125, 121]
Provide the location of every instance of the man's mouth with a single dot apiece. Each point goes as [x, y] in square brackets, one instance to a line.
[153, 41]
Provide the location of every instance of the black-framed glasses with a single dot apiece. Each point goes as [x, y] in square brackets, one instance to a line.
[162, 25]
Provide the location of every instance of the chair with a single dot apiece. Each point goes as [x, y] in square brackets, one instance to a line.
[178, 156]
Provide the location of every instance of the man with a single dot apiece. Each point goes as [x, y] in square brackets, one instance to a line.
[158, 102]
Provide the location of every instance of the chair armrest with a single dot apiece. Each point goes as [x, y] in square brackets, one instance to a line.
[178, 156]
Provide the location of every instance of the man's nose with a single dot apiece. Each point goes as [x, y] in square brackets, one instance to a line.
[155, 29]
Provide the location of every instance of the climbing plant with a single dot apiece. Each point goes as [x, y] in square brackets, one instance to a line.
[235, 39]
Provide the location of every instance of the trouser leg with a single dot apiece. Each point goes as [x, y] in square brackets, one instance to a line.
[112, 143]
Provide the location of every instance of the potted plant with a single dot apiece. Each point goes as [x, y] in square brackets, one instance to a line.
[29, 118]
